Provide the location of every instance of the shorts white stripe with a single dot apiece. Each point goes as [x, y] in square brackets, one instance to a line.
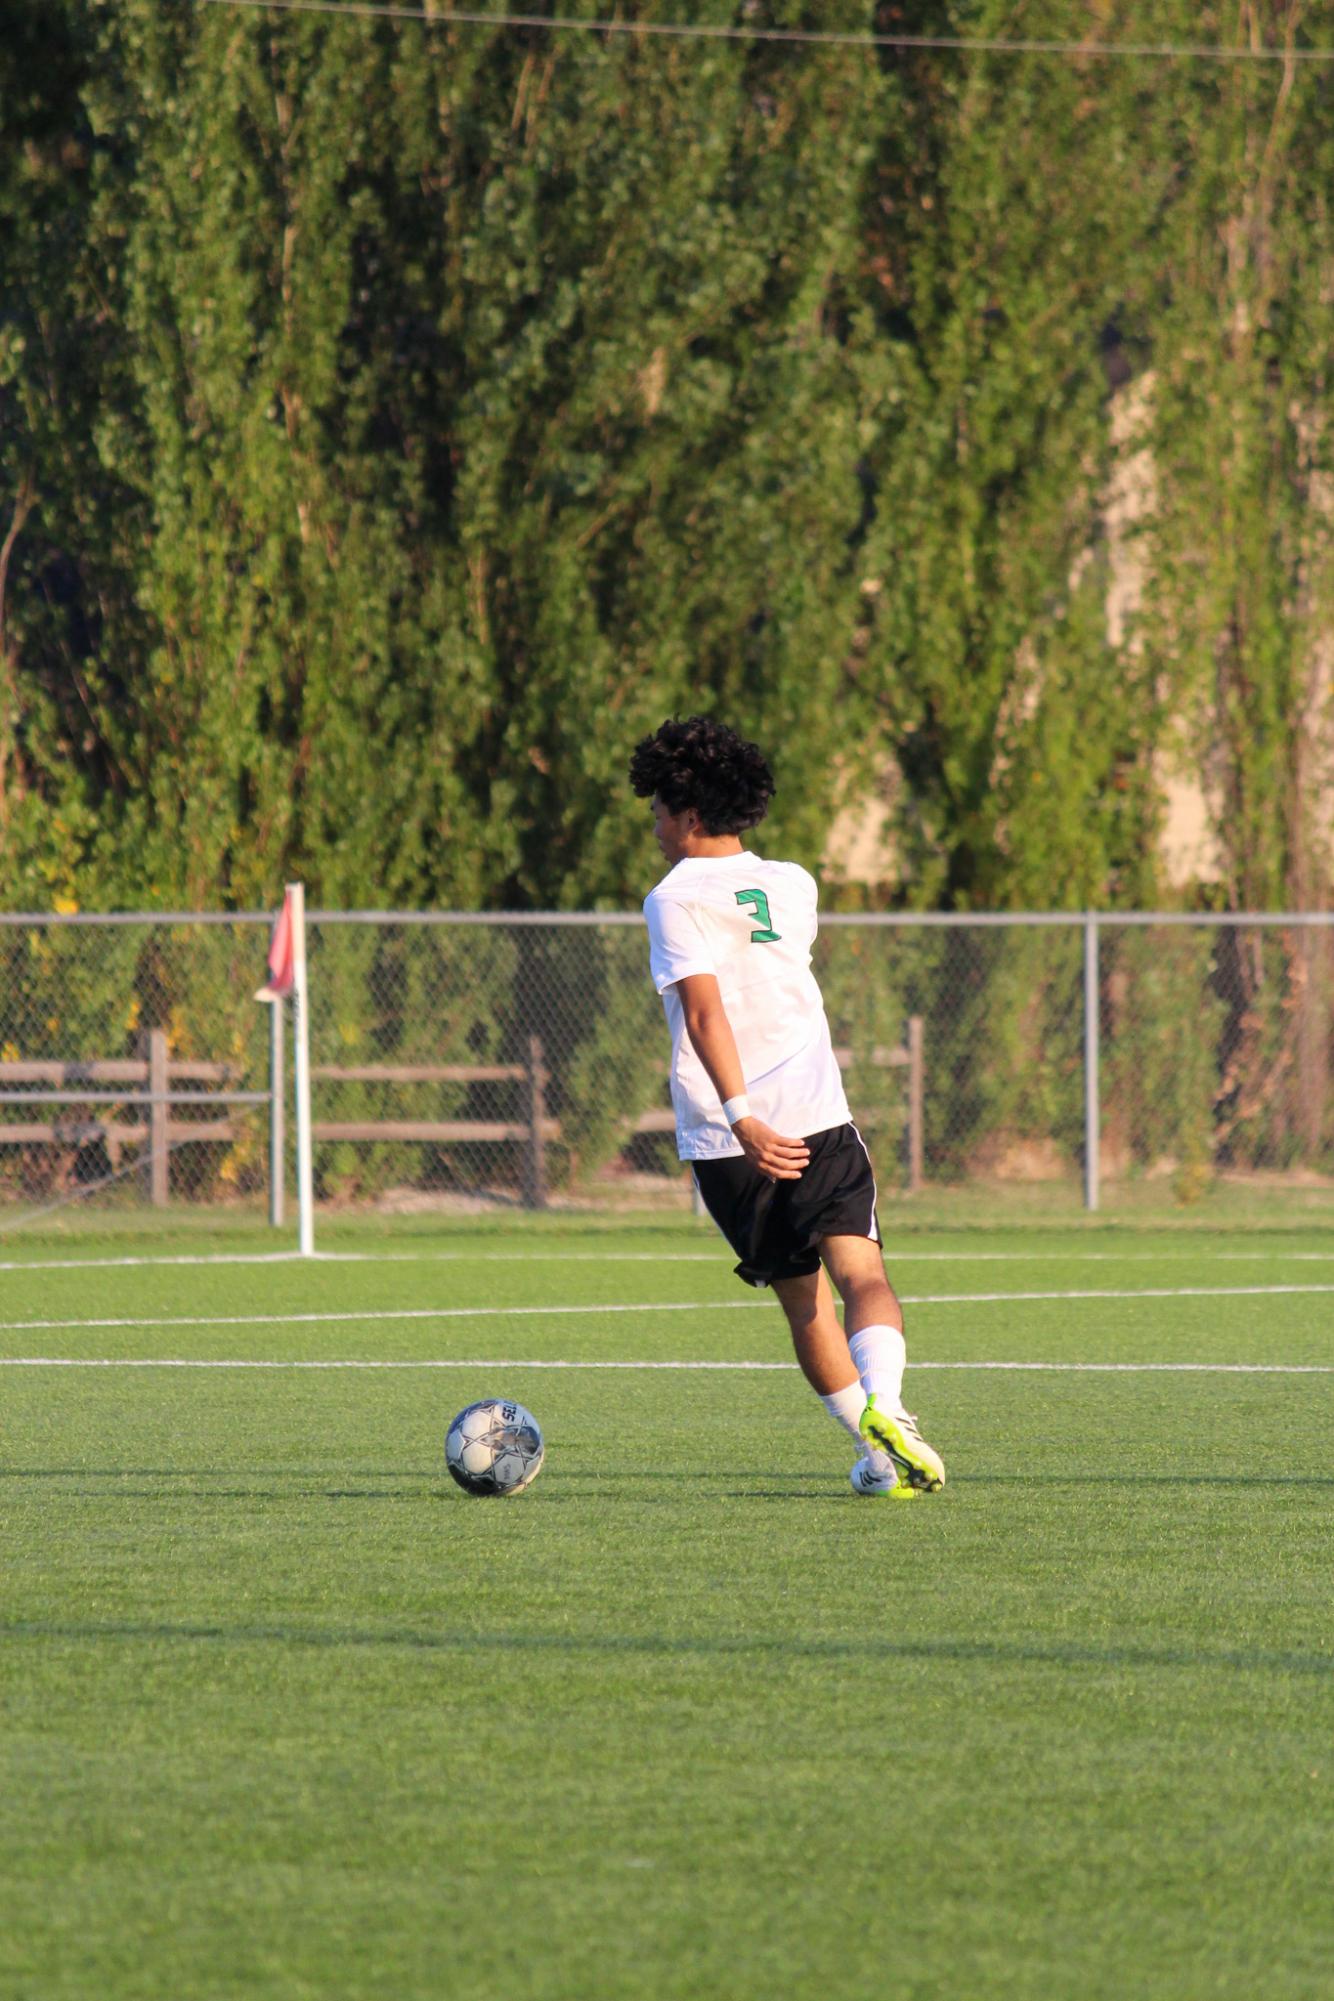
[874, 1232]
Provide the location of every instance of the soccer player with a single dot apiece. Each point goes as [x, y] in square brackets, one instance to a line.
[760, 1112]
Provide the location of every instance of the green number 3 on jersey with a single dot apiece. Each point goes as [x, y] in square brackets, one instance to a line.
[759, 903]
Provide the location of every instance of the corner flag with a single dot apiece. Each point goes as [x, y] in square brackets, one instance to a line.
[282, 957]
[287, 976]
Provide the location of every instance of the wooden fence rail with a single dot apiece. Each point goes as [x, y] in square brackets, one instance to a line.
[153, 1080]
[910, 1057]
[535, 1129]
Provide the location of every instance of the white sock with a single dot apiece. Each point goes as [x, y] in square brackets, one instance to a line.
[845, 1407]
[879, 1355]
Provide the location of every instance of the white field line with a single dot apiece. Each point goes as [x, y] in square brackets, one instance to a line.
[381, 1317]
[535, 1253]
[1128, 1292]
[373, 1315]
[511, 1362]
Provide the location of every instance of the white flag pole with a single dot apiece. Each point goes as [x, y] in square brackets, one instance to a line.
[305, 1179]
[277, 1109]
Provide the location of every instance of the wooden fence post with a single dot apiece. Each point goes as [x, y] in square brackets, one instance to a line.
[159, 1111]
[535, 1175]
[916, 1101]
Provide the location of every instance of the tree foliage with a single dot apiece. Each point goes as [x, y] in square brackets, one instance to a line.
[397, 420]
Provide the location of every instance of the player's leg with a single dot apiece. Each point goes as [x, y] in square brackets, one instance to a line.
[822, 1354]
[752, 1214]
[817, 1337]
[874, 1322]
[872, 1317]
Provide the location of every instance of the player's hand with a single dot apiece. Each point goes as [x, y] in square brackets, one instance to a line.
[781, 1159]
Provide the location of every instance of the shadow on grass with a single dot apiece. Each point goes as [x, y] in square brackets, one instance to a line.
[1258, 1479]
[177, 1472]
[1230, 1660]
[607, 1489]
[611, 1486]
[608, 1493]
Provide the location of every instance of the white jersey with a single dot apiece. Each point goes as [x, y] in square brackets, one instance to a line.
[751, 923]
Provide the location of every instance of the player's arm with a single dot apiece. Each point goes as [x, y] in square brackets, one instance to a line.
[711, 1038]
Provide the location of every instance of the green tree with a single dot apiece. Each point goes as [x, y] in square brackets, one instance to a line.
[66, 594]
[1000, 246]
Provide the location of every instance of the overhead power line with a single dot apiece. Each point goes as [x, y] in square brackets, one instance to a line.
[691, 31]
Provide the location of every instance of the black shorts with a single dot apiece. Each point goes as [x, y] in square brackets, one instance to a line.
[775, 1227]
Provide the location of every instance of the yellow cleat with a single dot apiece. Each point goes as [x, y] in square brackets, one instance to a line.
[919, 1464]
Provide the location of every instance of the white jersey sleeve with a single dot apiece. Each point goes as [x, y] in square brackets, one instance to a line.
[677, 946]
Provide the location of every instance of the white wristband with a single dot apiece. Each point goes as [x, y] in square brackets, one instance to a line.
[736, 1108]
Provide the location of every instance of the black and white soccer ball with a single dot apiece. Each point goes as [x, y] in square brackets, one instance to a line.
[494, 1447]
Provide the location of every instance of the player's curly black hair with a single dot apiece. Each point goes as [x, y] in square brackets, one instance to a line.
[702, 763]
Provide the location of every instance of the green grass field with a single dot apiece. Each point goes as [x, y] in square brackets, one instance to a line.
[288, 1715]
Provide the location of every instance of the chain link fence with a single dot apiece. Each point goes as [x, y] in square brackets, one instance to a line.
[134, 1061]
[467, 1062]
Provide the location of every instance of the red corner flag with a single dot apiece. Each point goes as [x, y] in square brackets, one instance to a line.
[282, 963]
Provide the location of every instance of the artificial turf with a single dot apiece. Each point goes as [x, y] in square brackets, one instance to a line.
[288, 1715]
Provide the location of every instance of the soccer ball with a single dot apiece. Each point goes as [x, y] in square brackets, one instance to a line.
[494, 1447]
